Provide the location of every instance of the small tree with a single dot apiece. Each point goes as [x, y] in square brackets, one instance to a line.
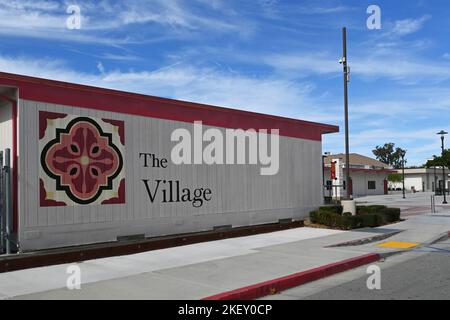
[395, 177]
[389, 154]
[440, 161]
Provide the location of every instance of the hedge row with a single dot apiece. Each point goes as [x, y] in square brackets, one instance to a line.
[387, 215]
[369, 216]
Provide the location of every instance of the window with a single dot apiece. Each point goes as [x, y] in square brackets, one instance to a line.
[372, 185]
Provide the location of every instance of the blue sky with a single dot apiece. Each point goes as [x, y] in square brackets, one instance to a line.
[270, 56]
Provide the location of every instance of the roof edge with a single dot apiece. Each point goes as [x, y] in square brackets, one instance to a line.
[29, 81]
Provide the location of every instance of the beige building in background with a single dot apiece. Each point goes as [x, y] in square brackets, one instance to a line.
[368, 176]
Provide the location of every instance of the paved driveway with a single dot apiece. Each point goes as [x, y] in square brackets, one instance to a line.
[414, 204]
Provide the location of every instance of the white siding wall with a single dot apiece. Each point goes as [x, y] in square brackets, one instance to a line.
[361, 181]
[416, 181]
[241, 196]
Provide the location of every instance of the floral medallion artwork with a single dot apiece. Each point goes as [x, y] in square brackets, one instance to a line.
[81, 160]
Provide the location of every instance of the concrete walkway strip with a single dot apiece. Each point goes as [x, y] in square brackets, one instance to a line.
[359, 242]
[277, 285]
[28, 281]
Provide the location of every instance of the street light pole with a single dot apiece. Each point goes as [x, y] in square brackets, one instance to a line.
[435, 176]
[403, 173]
[442, 134]
[346, 69]
[435, 181]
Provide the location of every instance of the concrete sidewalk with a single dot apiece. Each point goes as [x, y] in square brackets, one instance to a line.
[206, 269]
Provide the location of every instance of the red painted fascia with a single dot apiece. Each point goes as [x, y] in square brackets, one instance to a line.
[388, 171]
[57, 92]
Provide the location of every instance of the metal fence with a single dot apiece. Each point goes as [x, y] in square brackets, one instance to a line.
[330, 192]
[6, 226]
[433, 204]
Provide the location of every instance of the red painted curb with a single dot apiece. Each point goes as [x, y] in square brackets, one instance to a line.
[272, 286]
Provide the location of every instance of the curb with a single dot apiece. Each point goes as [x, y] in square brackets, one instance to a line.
[367, 240]
[273, 286]
[442, 237]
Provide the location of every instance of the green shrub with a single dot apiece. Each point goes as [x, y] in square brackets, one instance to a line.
[369, 209]
[369, 216]
[313, 216]
[347, 214]
[333, 220]
[327, 218]
[391, 214]
[387, 215]
[374, 208]
[351, 222]
[332, 209]
[371, 220]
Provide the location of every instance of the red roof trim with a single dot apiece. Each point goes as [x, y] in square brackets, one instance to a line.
[388, 171]
[57, 92]
[373, 170]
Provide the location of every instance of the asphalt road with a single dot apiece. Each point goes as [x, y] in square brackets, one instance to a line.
[420, 274]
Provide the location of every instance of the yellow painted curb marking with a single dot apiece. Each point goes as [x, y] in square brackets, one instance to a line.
[398, 245]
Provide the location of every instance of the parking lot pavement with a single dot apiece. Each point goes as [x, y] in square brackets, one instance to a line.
[413, 204]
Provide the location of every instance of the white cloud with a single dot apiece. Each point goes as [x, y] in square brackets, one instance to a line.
[269, 7]
[100, 67]
[326, 10]
[319, 63]
[188, 82]
[120, 57]
[421, 144]
[47, 19]
[395, 67]
[408, 26]
[46, 5]
[272, 95]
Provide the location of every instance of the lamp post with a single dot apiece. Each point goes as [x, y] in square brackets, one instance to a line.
[435, 176]
[442, 134]
[403, 171]
[346, 70]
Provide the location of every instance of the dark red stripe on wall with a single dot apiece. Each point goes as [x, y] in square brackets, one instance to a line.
[63, 93]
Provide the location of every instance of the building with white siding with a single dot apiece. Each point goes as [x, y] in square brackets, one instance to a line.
[368, 176]
[422, 180]
[93, 165]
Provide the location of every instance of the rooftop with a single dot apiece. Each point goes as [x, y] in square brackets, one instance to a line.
[357, 161]
[71, 94]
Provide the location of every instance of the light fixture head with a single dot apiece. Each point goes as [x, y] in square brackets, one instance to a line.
[442, 133]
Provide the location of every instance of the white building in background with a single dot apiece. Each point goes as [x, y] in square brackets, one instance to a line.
[422, 180]
[368, 176]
